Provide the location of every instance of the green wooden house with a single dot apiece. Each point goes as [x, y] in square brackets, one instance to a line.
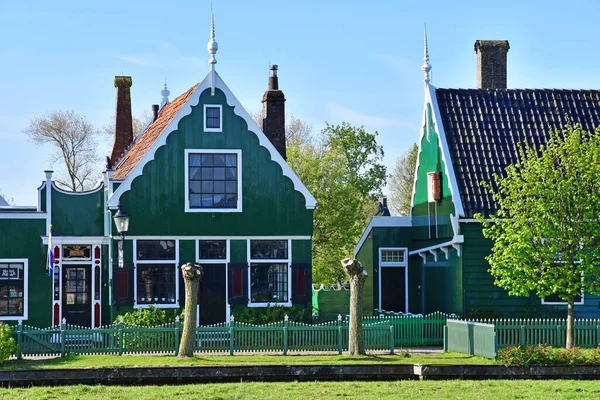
[201, 183]
[434, 259]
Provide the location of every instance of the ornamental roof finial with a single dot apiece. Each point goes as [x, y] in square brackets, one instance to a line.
[426, 67]
[165, 96]
[212, 46]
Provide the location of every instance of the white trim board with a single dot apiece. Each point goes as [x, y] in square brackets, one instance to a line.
[382, 222]
[239, 110]
[166, 237]
[93, 240]
[22, 215]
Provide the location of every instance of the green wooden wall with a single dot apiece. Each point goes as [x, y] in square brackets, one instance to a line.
[271, 206]
[77, 214]
[430, 160]
[22, 238]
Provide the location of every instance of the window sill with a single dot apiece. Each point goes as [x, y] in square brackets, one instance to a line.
[213, 210]
[13, 318]
[267, 304]
[155, 305]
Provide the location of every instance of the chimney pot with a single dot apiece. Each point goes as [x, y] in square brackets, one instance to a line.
[155, 111]
[491, 63]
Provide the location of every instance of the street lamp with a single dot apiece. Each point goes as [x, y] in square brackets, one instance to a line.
[122, 222]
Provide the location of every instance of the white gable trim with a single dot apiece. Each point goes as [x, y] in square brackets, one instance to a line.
[430, 98]
[194, 99]
[382, 222]
[99, 186]
[437, 119]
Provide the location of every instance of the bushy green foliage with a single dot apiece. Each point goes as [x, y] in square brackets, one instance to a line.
[8, 344]
[272, 314]
[151, 316]
[545, 231]
[343, 168]
[524, 356]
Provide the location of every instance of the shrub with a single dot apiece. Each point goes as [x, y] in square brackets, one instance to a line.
[8, 344]
[273, 314]
[151, 316]
[517, 356]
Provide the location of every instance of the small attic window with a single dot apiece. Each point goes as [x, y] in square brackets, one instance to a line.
[213, 117]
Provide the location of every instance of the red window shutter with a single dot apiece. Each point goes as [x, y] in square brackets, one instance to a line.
[122, 285]
[301, 282]
[238, 283]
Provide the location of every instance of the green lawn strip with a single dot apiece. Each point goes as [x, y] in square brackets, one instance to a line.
[459, 389]
[96, 361]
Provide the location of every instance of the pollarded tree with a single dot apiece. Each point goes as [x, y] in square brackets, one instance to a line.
[547, 226]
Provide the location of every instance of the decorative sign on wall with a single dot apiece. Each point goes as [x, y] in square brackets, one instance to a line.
[77, 252]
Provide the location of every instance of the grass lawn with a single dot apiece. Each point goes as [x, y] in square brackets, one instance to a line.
[497, 390]
[130, 361]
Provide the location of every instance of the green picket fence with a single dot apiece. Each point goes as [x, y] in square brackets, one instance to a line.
[232, 337]
[549, 331]
[415, 330]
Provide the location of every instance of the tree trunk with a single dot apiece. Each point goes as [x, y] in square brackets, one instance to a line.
[357, 275]
[570, 323]
[192, 273]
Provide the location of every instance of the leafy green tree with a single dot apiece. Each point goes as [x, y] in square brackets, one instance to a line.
[342, 168]
[402, 181]
[546, 229]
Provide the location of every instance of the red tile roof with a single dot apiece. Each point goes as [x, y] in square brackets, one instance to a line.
[147, 138]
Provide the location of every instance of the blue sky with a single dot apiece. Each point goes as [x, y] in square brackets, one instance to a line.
[351, 61]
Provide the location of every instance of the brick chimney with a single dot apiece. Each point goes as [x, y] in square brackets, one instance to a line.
[491, 63]
[274, 113]
[123, 120]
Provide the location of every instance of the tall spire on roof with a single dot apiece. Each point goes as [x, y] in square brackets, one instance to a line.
[165, 94]
[212, 47]
[426, 67]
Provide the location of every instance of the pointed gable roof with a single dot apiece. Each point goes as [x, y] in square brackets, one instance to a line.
[155, 135]
[147, 138]
[483, 127]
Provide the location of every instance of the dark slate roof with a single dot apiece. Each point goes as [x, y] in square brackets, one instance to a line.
[483, 127]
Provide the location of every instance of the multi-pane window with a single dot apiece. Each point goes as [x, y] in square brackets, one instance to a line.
[213, 117]
[212, 249]
[12, 289]
[156, 272]
[213, 180]
[269, 262]
[269, 249]
[392, 256]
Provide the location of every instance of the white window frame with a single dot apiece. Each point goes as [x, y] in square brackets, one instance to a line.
[137, 262]
[213, 260]
[25, 263]
[403, 264]
[564, 303]
[287, 261]
[220, 128]
[187, 181]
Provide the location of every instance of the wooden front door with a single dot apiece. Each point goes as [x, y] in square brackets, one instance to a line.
[76, 302]
[212, 293]
[393, 289]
